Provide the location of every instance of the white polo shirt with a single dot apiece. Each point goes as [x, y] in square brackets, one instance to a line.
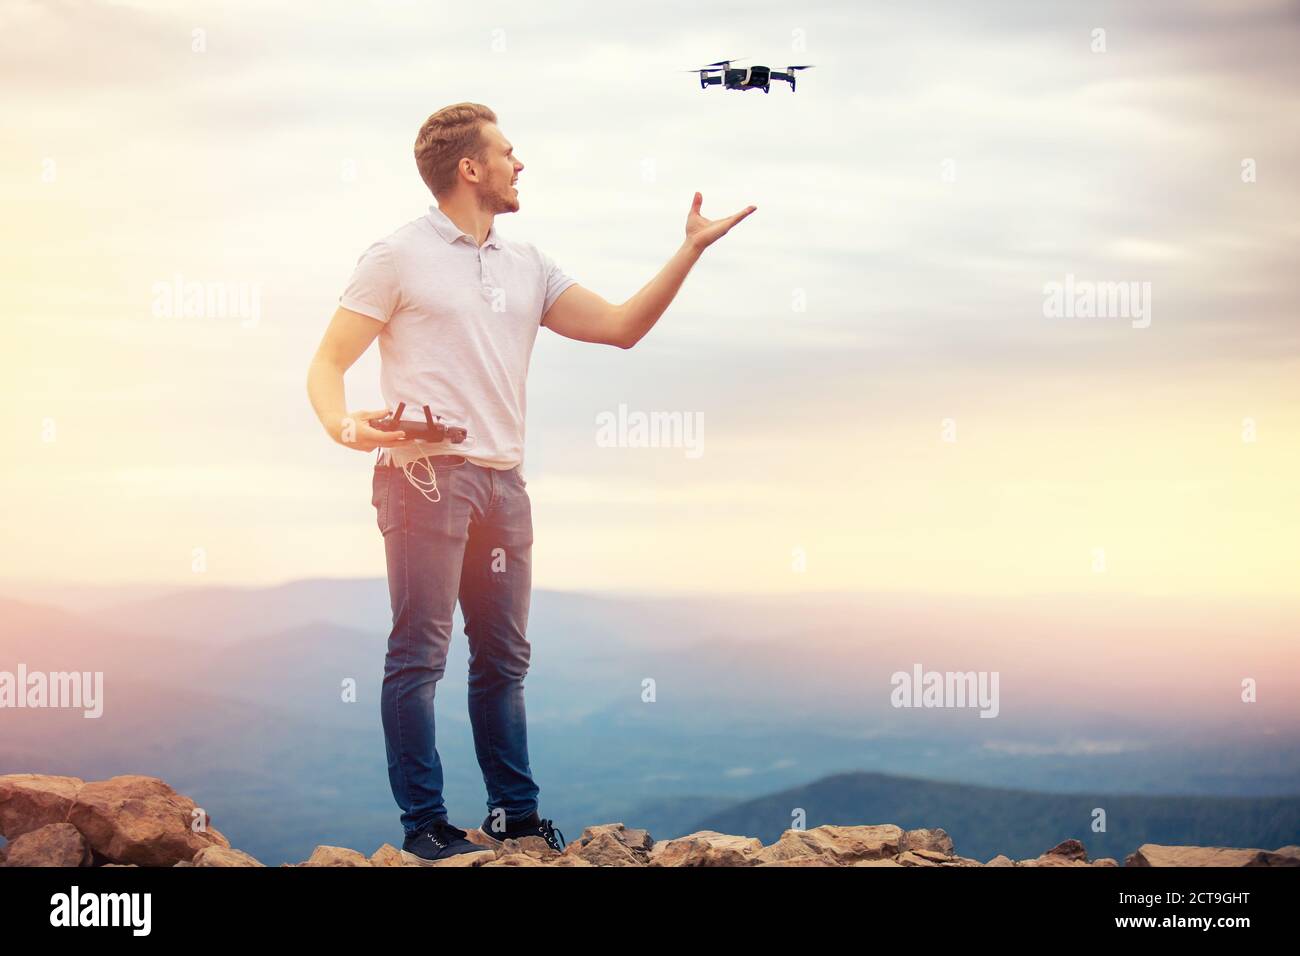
[460, 321]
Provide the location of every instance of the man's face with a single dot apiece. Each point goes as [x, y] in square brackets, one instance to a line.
[497, 192]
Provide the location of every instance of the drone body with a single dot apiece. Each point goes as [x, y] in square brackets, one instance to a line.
[723, 74]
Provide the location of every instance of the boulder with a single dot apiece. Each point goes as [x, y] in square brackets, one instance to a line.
[137, 819]
[838, 845]
[55, 844]
[388, 855]
[29, 801]
[706, 848]
[936, 840]
[612, 844]
[335, 856]
[223, 856]
[1152, 854]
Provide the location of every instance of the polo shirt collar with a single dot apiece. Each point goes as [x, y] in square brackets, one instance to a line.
[451, 232]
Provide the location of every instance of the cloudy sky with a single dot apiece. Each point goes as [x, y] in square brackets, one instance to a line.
[885, 401]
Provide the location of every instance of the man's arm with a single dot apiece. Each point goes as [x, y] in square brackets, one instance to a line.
[348, 336]
[583, 315]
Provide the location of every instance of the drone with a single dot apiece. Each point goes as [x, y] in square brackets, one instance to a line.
[745, 78]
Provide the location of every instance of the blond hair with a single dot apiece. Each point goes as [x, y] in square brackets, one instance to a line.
[447, 137]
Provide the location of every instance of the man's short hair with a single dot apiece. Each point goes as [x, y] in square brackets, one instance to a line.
[447, 137]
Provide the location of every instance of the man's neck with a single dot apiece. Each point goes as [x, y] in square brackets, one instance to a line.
[468, 216]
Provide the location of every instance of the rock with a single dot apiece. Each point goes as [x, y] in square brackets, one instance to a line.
[1001, 860]
[639, 841]
[223, 856]
[606, 849]
[1070, 850]
[531, 846]
[514, 859]
[464, 859]
[915, 858]
[29, 801]
[612, 844]
[1152, 854]
[803, 861]
[388, 855]
[1066, 853]
[839, 845]
[335, 856]
[55, 844]
[706, 848]
[137, 819]
[936, 840]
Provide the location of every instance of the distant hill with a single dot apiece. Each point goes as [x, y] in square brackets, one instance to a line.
[235, 695]
[985, 821]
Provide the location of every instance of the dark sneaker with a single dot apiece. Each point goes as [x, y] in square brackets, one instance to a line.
[531, 825]
[439, 842]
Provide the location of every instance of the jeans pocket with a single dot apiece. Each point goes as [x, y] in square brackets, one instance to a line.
[447, 462]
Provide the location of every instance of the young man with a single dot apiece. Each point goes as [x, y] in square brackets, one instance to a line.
[456, 308]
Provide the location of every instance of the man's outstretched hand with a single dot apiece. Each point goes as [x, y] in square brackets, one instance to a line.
[702, 233]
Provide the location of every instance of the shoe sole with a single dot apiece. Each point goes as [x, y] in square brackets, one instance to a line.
[410, 857]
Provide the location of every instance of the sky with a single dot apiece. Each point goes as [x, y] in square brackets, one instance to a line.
[881, 393]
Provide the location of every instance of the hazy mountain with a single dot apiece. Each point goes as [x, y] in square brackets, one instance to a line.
[650, 709]
[985, 821]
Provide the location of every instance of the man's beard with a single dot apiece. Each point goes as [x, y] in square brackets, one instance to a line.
[500, 199]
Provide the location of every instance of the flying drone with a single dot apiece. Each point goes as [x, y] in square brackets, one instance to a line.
[745, 78]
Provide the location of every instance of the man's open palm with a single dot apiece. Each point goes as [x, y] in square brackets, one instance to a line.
[704, 232]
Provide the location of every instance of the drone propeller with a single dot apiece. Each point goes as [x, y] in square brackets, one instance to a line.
[715, 67]
[806, 66]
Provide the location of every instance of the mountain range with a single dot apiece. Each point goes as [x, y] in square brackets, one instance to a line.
[759, 706]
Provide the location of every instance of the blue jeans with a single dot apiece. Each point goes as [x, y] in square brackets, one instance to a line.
[474, 545]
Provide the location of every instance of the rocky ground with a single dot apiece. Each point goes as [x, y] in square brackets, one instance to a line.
[141, 821]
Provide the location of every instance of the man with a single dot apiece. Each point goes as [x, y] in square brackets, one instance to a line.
[456, 308]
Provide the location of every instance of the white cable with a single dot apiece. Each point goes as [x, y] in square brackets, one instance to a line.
[425, 485]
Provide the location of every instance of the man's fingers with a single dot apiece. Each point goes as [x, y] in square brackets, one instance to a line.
[695, 203]
[742, 214]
